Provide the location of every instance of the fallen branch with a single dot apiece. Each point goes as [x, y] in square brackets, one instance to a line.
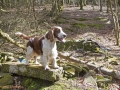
[7, 53]
[104, 70]
[9, 39]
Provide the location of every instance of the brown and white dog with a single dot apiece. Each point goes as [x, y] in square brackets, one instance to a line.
[44, 47]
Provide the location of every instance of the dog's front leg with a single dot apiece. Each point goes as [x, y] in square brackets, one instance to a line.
[45, 62]
[55, 54]
[55, 63]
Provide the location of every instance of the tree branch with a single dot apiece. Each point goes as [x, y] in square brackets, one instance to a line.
[9, 39]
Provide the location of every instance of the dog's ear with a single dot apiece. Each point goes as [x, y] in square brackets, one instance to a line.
[50, 35]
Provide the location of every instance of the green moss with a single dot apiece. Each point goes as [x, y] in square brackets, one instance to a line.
[96, 25]
[61, 20]
[5, 68]
[69, 73]
[6, 80]
[27, 82]
[22, 69]
[79, 25]
[69, 29]
[33, 86]
[36, 84]
[81, 19]
[77, 67]
[57, 87]
[39, 72]
[83, 25]
[69, 45]
[34, 71]
[100, 19]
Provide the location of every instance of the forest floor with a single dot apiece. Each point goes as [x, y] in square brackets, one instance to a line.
[78, 24]
[99, 26]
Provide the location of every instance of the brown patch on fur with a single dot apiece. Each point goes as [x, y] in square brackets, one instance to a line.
[50, 36]
[56, 32]
[53, 34]
[36, 44]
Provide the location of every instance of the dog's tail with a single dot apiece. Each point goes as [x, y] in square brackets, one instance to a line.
[22, 35]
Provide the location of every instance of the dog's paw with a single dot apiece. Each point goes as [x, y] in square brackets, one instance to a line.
[56, 66]
[47, 68]
[37, 63]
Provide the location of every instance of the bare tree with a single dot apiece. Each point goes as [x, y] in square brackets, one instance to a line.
[108, 5]
[115, 19]
[81, 4]
[56, 8]
[100, 5]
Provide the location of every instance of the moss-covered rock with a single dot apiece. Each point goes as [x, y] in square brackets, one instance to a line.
[3, 74]
[6, 80]
[69, 73]
[84, 45]
[35, 71]
[90, 83]
[37, 84]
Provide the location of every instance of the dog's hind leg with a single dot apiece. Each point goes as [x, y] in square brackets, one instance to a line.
[37, 61]
[29, 54]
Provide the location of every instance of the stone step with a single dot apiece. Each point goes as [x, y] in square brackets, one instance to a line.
[35, 71]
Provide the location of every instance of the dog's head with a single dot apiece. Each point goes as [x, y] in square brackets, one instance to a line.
[56, 32]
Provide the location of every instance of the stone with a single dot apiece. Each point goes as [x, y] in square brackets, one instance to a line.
[90, 83]
[35, 71]
[62, 84]
[81, 45]
[3, 74]
[6, 80]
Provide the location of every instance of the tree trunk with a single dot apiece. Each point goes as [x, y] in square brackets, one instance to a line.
[34, 15]
[85, 2]
[56, 8]
[116, 6]
[94, 2]
[108, 6]
[1, 4]
[81, 4]
[100, 5]
[116, 22]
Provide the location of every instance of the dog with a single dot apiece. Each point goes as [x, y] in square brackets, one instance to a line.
[45, 46]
